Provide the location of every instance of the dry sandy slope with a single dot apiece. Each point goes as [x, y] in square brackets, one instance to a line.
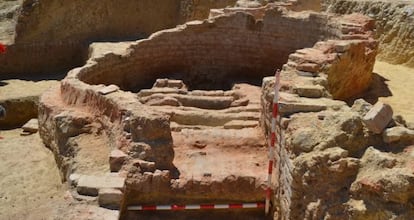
[400, 82]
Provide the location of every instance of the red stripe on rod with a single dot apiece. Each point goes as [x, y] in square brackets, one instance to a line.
[268, 192]
[270, 170]
[207, 206]
[2, 48]
[272, 139]
[275, 110]
[149, 207]
[235, 206]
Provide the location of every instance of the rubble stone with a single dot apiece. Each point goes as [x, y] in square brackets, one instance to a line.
[90, 185]
[110, 198]
[361, 106]
[108, 89]
[116, 160]
[378, 117]
[32, 126]
[397, 134]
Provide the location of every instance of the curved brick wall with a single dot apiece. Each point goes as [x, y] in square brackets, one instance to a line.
[45, 45]
[212, 51]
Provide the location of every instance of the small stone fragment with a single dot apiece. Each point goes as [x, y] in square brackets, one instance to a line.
[109, 198]
[146, 166]
[32, 126]
[90, 185]
[108, 89]
[399, 133]
[308, 67]
[378, 117]
[116, 160]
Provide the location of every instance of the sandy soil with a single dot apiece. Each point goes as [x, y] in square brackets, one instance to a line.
[30, 186]
[29, 178]
[92, 154]
[400, 83]
[20, 88]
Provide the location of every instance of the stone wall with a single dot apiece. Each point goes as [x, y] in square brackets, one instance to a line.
[394, 25]
[200, 9]
[314, 158]
[212, 51]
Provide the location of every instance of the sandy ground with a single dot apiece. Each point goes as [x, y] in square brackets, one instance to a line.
[20, 88]
[400, 83]
[30, 186]
[29, 178]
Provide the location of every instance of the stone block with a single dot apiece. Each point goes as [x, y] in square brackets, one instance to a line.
[169, 83]
[240, 124]
[361, 106]
[116, 160]
[74, 178]
[342, 46]
[32, 126]
[110, 198]
[378, 117]
[170, 101]
[90, 185]
[397, 134]
[308, 67]
[146, 166]
[310, 91]
[108, 89]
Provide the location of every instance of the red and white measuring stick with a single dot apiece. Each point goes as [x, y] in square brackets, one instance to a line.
[2, 48]
[196, 207]
[273, 140]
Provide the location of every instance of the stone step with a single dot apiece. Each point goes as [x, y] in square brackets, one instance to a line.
[309, 67]
[351, 30]
[354, 36]
[309, 91]
[292, 103]
[306, 74]
[203, 102]
[249, 108]
[90, 185]
[240, 124]
[148, 92]
[110, 198]
[308, 51]
[297, 58]
[211, 118]
[291, 64]
[179, 127]
[169, 83]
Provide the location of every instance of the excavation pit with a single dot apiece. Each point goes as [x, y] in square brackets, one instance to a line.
[203, 139]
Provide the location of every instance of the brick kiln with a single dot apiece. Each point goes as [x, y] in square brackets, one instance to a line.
[183, 111]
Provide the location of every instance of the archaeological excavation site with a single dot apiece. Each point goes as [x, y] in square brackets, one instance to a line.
[207, 109]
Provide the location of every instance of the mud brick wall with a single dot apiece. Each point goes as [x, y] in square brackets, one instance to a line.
[214, 50]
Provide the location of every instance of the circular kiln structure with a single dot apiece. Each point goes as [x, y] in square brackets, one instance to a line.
[169, 140]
